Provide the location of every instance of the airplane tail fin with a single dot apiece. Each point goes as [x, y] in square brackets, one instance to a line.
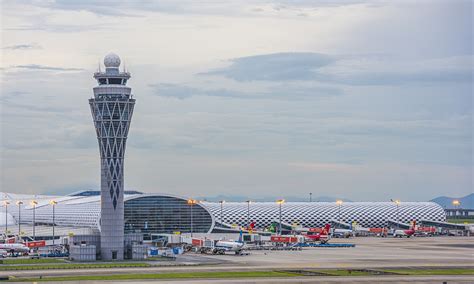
[413, 225]
[327, 228]
[240, 237]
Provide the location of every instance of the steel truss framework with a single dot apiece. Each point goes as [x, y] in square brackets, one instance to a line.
[112, 116]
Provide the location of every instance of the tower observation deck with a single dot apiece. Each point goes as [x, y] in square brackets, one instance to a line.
[112, 109]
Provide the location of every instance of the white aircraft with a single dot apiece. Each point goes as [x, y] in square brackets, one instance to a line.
[223, 246]
[14, 247]
[342, 233]
[405, 233]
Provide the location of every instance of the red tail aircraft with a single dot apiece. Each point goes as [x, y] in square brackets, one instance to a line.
[322, 237]
[406, 233]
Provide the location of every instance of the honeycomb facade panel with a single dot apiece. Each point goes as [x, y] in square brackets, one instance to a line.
[317, 214]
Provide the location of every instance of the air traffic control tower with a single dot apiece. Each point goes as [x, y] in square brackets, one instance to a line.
[112, 109]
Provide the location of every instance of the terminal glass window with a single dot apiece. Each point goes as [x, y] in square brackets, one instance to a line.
[165, 214]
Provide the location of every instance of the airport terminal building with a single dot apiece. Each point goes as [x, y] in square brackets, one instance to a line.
[164, 213]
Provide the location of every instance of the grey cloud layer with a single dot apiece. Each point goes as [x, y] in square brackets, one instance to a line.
[276, 92]
[351, 70]
[22, 47]
[47, 68]
[128, 8]
[275, 67]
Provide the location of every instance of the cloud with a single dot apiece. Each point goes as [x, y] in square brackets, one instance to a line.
[325, 166]
[386, 70]
[184, 92]
[46, 68]
[41, 25]
[134, 8]
[23, 47]
[129, 8]
[349, 70]
[274, 67]
[273, 92]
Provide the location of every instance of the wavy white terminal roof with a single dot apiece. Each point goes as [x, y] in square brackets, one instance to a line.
[84, 211]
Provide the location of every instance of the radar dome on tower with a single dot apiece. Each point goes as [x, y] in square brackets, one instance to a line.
[112, 60]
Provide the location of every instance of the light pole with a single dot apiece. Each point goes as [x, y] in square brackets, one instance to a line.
[248, 213]
[6, 217]
[397, 202]
[310, 197]
[53, 203]
[19, 203]
[222, 205]
[34, 203]
[280, 202]
[192, 202]
[339, 205]
[456, 204]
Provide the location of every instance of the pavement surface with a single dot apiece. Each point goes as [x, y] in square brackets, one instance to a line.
[370, 252]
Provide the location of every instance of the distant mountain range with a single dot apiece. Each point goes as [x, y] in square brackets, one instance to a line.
[467, 202]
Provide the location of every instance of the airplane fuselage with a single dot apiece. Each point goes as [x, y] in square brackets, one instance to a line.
[14, 247]
[229, 245]
[403, 233]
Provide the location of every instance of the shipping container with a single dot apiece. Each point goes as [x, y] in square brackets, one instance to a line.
[287, 239]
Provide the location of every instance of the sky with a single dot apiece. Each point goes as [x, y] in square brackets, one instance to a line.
[365, 100]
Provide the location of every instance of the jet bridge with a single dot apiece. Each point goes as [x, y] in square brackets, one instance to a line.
[340, 225]
[398, 225]
[444, 225]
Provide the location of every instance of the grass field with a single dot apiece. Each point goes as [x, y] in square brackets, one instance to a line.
[232, 274]
[73, 266]
[30, 261]
[453, 271]
[344, 272]
[461, 221]
[248, 274]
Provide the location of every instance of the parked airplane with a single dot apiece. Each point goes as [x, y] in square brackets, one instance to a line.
[322, 237]
[342, 233]
[405, 233]
[223, 246]
[14, 247]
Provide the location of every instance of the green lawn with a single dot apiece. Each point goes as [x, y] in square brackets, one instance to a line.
[461, 221]
[234, 274]
[454, 271]
[247, 274]
[345, 272]
[73, 266]
[30, 261]
[434, 271]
